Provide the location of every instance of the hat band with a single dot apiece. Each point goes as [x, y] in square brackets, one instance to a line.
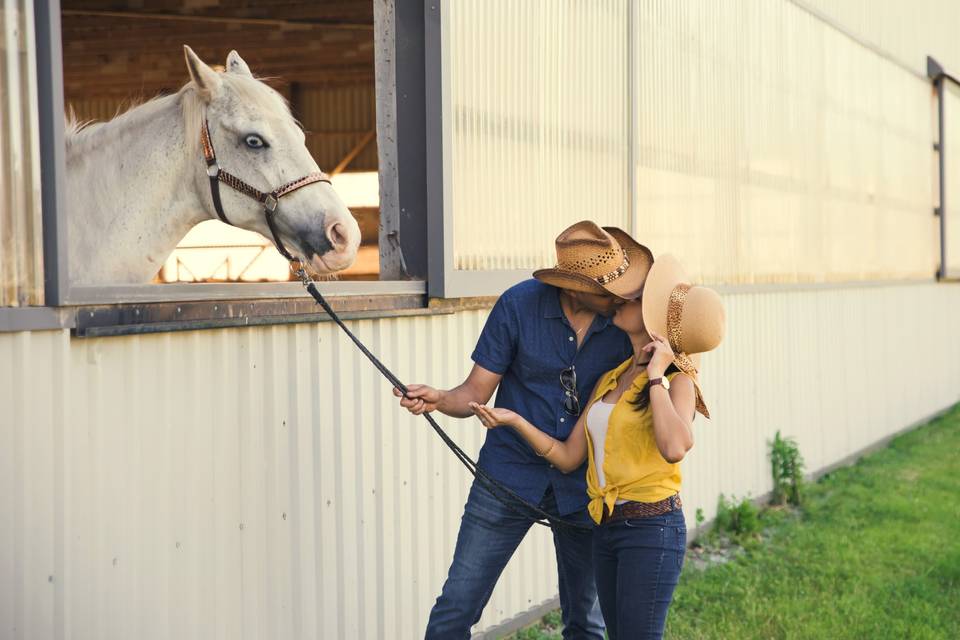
[616, 273]
[675, 315]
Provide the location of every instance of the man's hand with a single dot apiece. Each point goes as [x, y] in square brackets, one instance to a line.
[478, 387]
[420, 398]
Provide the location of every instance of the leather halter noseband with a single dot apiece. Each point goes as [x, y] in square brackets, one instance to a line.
[270, 200]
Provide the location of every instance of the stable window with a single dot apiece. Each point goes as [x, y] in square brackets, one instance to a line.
[348, 72]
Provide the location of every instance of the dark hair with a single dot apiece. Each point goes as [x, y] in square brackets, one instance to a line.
[642, 401]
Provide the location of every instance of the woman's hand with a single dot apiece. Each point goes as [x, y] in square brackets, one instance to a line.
[419, 399]
[493, 417]
[661, 356]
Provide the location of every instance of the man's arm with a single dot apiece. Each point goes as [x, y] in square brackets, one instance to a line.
[478, 387]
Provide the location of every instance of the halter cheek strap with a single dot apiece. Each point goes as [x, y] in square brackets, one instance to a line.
[270, 201]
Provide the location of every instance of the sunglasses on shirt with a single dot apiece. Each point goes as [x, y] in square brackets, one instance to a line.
[571, 400]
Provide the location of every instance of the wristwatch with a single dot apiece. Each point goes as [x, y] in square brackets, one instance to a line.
[662, 381]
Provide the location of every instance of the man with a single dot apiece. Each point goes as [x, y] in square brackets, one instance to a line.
[545, 344]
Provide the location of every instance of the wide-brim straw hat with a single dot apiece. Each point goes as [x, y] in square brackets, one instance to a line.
[598, 260]
[690, 317]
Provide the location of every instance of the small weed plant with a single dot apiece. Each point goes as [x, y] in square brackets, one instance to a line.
[786, 466]
[739, 520]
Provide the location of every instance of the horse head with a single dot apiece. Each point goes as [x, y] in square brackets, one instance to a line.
[257, 140]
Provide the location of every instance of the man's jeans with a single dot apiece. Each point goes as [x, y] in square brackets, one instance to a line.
[489, 534]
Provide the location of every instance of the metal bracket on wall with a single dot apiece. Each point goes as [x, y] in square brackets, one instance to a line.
[937, 75]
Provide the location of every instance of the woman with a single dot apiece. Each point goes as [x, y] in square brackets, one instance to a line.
[633, 433]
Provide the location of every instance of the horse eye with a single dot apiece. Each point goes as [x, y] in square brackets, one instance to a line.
[255, 142]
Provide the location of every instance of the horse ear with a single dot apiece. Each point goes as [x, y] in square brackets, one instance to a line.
[235, 64]
[207, 81]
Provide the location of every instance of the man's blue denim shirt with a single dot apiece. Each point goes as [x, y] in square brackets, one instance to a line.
[528, 340]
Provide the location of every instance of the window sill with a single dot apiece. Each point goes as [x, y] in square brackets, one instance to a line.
[287, 303]
[159, 317]
[205, 292]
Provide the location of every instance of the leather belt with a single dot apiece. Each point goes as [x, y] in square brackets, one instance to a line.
[637, 510]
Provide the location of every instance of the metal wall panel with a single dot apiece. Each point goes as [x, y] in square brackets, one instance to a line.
[536, 106]
[21, 238]
[261, 483]
[768, 146]
[337, 119]
[98, 109]
[905, 31]
[773, 148]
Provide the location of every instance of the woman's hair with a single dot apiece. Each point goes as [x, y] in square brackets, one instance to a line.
[642, 401]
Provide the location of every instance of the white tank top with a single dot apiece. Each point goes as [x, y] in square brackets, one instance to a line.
[597, 422]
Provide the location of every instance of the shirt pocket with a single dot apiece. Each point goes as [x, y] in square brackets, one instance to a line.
[529, 368]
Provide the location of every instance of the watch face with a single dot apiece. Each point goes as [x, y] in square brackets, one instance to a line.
[666, 383]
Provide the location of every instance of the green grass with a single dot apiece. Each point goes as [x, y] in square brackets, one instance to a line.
[875, 554]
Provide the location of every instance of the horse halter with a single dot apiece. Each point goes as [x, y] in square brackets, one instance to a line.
[270, 201]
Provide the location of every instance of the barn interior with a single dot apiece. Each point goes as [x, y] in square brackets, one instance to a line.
[319, 55]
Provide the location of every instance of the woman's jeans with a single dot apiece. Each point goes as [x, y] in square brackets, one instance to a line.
[637, 565]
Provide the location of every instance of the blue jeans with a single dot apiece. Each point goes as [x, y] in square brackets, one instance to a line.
[489, 534]
[637, 565]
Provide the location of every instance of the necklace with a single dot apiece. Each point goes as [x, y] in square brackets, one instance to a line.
[583, 328]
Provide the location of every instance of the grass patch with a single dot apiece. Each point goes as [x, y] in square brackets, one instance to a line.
[874, 553]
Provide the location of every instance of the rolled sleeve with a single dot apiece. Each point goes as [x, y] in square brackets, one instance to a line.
[497, 345]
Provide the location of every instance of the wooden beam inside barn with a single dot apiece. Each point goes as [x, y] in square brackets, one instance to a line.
[122, 48]
[318, 54]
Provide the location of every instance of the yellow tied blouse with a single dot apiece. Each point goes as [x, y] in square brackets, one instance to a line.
[632, 465]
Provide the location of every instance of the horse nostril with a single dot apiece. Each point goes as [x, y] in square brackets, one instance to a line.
[337, 235]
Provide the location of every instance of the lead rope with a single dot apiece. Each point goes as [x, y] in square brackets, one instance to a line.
[498, 490]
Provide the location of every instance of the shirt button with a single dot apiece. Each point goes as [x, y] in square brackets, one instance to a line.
[570, 338]
[563, 419]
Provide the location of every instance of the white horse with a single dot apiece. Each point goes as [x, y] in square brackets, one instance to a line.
[138, 183]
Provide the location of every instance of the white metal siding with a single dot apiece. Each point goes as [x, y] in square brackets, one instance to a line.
[772, 148]
[905, 31]
[768, 145]
[537, 135]
[261, 483]
[21, 239]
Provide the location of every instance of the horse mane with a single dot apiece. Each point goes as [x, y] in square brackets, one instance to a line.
[250, 90]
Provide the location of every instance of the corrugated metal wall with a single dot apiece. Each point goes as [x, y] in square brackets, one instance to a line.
[906, 31]
[337, 119]
[775, 149]
[21, 238]
[768, 146]
[261, 483]
[537, 136]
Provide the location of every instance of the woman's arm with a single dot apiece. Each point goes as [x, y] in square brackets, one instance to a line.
[566, 455]
[671, 428]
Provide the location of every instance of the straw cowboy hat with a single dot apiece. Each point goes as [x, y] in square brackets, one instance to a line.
[690, 317]
[601, 261]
